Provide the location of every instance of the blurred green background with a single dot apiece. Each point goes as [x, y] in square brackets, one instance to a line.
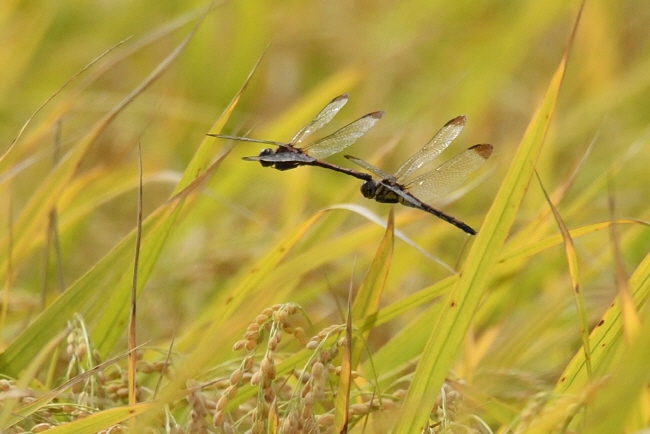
[422, 62]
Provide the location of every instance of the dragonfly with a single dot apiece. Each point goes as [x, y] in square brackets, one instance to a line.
[293, 154]
[416, 192]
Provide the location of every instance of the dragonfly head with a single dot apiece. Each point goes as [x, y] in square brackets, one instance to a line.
[265, 153]
[369, 189]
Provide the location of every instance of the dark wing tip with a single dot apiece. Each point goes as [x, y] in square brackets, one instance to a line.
[458, 121]
[349, 157]
[341, 97]
[376, 115]
[483, 150]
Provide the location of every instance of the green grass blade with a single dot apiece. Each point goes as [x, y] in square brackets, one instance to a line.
[461, 304]
[86, 296]
[113, 314]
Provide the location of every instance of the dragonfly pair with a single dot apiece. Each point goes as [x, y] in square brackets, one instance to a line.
[388, 188]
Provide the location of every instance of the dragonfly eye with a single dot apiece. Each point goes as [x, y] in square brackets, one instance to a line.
[266, 152]
[368, 189]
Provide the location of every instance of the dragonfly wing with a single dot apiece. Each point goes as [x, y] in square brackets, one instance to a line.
[282, 157]
[325, 115]
[369, 167]
[246, 139]
[342, 138]
[450, 174]
[431, 150]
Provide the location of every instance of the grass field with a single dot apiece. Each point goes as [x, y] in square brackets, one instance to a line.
[273, 301]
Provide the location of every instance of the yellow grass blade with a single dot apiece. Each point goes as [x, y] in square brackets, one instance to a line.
[26, 410]
[87, 296]
[627, 384]
[342, 402]
[101, 421]
[461, 304]
[112, 312]
[36, 212]
[109, 327]
[10, 163]
[30, 372]
[366, 302]
[203, 155]
[574, 271]
[213, 340]
[607, 337]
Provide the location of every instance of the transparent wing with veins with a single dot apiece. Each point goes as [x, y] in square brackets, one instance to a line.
[369, 167]
[246, 139]
[431, 150]
[450, 174]
[342, 138]
[325, 115]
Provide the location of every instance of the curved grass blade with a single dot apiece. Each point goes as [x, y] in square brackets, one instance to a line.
[43, 200]
[108, 330]
[374, 218]
[462, 302]
[367, 300]
[538, 246]
[59, 90]
[631, 321]
[131, 332]
[109, 327]
[607, 336]
[366, 303]
[84, 296]
[9, 164]
[574, 271]
[310, 260]
[204, 154]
